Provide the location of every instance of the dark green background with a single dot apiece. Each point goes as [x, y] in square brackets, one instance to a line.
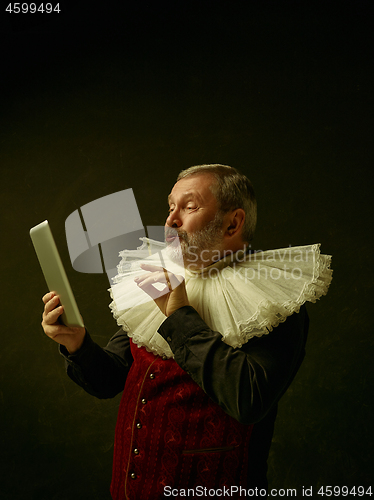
[101, 99]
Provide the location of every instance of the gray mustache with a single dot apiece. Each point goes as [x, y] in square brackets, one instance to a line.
[170, 231]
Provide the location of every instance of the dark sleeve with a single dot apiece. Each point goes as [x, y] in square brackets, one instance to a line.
[100, 371]
[246, 382]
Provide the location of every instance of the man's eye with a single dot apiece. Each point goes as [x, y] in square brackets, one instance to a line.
[171, 209]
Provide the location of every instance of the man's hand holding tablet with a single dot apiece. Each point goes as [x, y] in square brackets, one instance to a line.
[62, 321]
[70, 337]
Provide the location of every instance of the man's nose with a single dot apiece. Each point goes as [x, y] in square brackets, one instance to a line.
[173, 220]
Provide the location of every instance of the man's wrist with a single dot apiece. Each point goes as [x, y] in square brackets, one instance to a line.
[74, 349]
[180, 326]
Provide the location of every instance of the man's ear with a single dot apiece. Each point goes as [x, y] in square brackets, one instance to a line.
[234, 222]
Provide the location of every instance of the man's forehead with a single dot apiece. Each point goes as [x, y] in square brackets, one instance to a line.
[185, 194]
[192, 187]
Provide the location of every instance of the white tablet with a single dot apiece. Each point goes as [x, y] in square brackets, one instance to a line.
[54, 272]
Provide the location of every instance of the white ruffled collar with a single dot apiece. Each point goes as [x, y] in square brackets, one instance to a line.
[240, 296]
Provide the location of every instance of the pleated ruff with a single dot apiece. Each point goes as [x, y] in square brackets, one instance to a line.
[240, 296]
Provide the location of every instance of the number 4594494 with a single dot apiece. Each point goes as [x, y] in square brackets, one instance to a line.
[24, 8]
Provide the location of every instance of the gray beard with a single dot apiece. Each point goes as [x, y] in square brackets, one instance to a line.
[191, 246]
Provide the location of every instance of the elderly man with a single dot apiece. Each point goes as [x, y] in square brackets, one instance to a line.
[198, 413]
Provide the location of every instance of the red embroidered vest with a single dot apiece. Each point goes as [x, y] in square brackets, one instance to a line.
[169, 433]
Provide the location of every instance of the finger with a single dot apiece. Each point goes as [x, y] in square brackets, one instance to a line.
[147, 283]
[150, 267]
[52, 304]
[151, 279]
[52, 317]
[145, 276]
[152, 291]
[48, 296]
[162, 276]
[54, 331]
[167, 278]
[172, 279]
